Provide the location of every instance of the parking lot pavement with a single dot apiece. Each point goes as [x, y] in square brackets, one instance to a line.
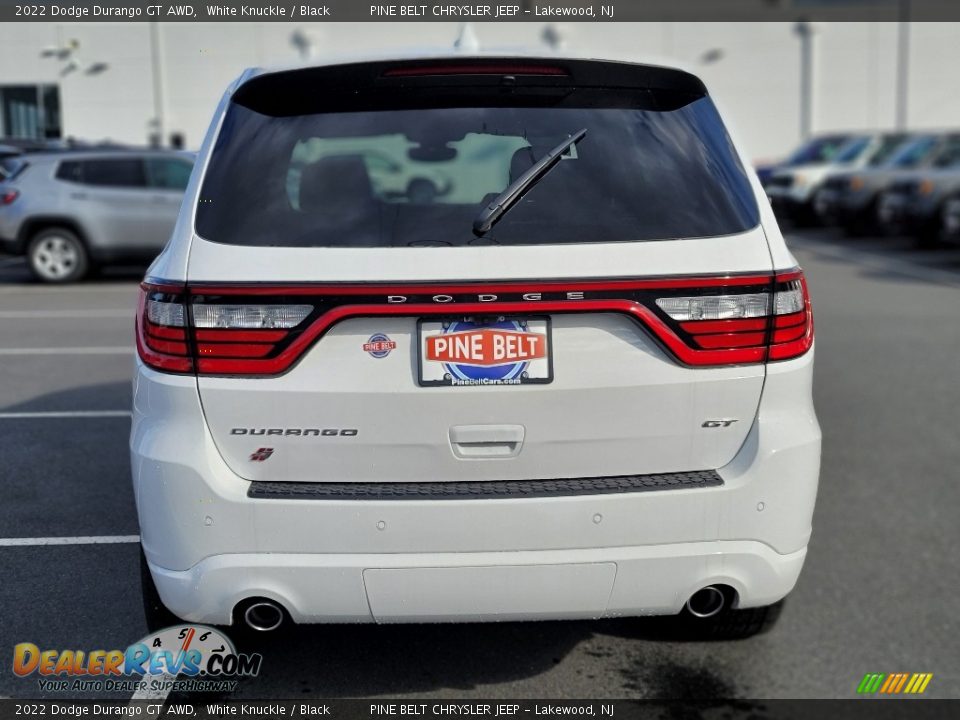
[877, 593]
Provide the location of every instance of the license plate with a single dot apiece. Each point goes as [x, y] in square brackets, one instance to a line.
[484, 351]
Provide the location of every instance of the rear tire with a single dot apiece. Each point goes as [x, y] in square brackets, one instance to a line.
[930, 235]
[57, 255]
[154, 611]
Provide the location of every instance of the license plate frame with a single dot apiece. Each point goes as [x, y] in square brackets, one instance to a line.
[537, 370]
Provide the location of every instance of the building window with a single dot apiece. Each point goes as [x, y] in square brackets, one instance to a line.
[30, 111]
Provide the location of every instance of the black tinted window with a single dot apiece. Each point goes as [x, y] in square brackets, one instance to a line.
[421, 176]
[125, 172]
[69, 171]
[168, 173]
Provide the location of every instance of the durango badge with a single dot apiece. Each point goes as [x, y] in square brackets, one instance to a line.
[501, 351]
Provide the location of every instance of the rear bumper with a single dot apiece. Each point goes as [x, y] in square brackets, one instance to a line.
[476, 587]
[210, 545]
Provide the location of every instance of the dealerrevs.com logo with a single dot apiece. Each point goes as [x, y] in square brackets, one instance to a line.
[189, 658]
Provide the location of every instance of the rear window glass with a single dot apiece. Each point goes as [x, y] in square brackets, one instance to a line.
[411, 177]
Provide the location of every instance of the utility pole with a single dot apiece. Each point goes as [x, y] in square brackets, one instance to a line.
[806, 32]
[903, 64]
[156, 60]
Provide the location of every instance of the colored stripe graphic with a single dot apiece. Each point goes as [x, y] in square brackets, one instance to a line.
[870, 683]
[894, 683]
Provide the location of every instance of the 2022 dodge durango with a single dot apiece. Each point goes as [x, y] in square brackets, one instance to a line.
[571, 378]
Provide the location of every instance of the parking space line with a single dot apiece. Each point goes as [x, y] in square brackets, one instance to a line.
[64, 414]
[57, 314]
[113, 350]
[48, 289]
[83, 540]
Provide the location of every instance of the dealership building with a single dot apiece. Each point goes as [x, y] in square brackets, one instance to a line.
[137, 82]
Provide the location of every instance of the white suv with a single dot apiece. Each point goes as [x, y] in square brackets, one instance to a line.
[562, 371]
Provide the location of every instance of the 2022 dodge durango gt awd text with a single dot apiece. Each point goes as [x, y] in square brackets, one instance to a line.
[562, 369]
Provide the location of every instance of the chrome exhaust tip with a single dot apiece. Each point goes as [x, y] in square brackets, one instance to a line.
[264, 616]
[706, 602]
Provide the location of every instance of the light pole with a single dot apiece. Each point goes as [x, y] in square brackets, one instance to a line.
[903, 63]
[806, 32]
[158, 123]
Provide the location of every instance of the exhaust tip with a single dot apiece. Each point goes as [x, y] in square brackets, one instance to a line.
[706, 602]
[264, 616]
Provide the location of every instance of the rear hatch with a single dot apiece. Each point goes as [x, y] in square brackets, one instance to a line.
[350, 325]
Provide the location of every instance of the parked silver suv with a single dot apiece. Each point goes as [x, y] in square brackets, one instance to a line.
[68, 212]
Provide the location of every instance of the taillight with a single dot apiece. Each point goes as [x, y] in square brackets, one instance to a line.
[264, 330]
[181, 333]
[8, 197]
[776, 324]
[162, 337]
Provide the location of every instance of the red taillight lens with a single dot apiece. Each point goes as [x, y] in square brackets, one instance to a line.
[162, 339]
[775, 324]
[8, 197]
[178, 332]
[792, 333]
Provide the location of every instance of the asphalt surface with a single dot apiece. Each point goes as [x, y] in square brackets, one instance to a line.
[878, 593]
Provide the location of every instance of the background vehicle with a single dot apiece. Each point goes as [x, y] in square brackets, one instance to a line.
[341, 400]
[68, 212]
[951, 219]
[793, 191]
[851, 199]
[917, 204]
[817, 150]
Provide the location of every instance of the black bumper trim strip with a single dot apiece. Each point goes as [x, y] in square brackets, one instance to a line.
[482, 489]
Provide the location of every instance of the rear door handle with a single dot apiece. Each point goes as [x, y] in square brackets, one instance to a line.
[79, 196]
[486, 441]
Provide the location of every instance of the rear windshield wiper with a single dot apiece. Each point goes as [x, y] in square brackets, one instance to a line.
[518, 188]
